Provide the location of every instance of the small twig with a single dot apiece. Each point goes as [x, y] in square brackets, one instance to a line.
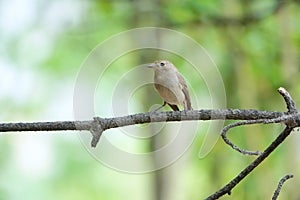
[290, 104]
[282, 119]
[227, 141]
[281, 182]
[288, 119]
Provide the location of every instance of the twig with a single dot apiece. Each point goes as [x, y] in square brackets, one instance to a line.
[283, 119]
[227, 141]
[281, 182]
[290, 104]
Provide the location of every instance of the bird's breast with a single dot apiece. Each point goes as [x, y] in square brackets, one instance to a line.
[167, 85]
[167, 79]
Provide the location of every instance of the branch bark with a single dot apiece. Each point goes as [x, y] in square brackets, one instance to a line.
[223, 114]
[98, 125]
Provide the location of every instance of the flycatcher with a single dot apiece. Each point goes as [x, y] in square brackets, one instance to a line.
[170, 85]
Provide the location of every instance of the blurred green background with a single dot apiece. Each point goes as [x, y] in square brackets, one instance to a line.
[255, 44]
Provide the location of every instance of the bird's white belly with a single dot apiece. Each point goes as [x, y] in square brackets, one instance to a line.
[169, 90]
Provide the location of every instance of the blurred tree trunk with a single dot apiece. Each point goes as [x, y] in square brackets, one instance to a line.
[147, 13]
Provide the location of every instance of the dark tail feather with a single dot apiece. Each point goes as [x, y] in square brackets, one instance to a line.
[174, 107]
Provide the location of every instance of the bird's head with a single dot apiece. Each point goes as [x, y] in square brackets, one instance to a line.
[161, 65]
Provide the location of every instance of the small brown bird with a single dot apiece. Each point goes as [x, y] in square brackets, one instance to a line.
[171, 85]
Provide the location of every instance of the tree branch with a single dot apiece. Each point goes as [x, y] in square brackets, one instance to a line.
[230, 114]
[291, 120]
[98, 125]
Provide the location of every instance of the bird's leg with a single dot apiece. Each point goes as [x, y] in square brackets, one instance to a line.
[160, 107]
[174, 107]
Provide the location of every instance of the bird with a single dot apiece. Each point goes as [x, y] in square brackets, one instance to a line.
[170, 85]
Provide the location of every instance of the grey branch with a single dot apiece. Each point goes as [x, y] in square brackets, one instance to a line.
[291, 119]
[98, 125]
[107, 123]
[281, 182]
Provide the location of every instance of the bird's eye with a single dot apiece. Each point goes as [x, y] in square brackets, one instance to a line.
[162, 64]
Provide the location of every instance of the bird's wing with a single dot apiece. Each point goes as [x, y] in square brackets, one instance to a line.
[185, 91]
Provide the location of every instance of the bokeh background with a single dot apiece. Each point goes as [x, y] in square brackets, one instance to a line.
[255, 44]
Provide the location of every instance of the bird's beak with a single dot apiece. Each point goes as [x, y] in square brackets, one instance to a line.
[151, 65]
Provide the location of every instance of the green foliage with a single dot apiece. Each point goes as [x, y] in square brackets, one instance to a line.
[53, 42]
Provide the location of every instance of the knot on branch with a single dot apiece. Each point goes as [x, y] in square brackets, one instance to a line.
[96, 130]
[292, 120]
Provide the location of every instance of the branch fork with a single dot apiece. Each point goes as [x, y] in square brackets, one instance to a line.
[290, 119]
